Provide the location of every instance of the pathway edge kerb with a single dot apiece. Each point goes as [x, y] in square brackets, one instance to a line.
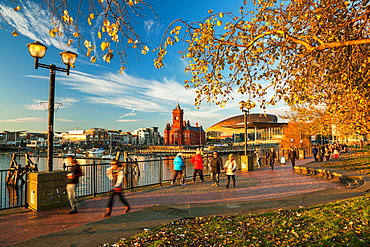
[339, 175]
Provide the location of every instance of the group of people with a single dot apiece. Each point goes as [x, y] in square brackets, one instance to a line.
[325, 152]
[217, 166]
[272, 156]
[114, 173]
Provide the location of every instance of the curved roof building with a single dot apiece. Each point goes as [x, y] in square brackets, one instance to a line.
[261, 127]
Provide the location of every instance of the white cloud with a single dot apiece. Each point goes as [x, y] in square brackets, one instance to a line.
[64, 120]
[128, 92]
[33, 22]
[40, 105]
[152, 27]
[128, 120]
[33, 120]
[24, 120]
[131, 113]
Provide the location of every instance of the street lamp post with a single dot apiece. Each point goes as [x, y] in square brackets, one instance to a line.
[245, 108]
[37, 51]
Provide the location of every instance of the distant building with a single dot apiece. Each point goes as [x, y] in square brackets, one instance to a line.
[147, 136]
[262, 128]
[180, 132]
[118, 138]
[11, 137]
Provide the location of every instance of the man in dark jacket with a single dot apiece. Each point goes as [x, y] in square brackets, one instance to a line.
[216, 164]
[292, 156]
[315, 151]
[271, 156]
[72, 181]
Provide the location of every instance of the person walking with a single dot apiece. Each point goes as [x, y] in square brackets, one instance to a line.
[322, 152]
[75, 172]
[335, 153]
[230, 169]
[327, 153]
[315, 152]
[197, 161]
[292, 156]
[115, 174]
[257, 152]
[216, 164]
[271, 156]
[178, 167]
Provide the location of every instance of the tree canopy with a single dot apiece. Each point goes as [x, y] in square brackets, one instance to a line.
[308, 52]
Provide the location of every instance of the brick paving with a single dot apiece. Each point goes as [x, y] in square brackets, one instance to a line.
[262, 183]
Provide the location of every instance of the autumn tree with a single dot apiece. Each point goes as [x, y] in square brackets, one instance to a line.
[316, 121]
[312, 52]
[295, 136]
[308, 51]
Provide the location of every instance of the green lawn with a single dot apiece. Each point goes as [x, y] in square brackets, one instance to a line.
[343, 223]
[358, 162]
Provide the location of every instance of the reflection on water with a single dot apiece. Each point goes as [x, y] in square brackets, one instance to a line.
[15, 195]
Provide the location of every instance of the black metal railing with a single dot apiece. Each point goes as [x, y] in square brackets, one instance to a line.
[14, 195]
[137, 174]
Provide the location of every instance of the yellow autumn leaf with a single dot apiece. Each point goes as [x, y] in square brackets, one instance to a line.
[104, 45]
[17, 8]
[93, 59]
[75, 34]
[89, 21]
[221, 15]
[108, 57]
[101, 1]
[92, 16]
[15, 34]
[52, 33]
[210, 11]
[219, 23]
[87, 44]
[99, 35]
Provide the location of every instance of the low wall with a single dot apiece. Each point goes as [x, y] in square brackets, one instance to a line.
[350, 179]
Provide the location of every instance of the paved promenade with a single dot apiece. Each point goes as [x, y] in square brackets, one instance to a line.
[260, 190]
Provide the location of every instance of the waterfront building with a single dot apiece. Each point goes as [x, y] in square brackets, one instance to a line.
[180, 132]
[262, 128]
[13, 138]
[75, 136]
[118, 138]
[147, 136]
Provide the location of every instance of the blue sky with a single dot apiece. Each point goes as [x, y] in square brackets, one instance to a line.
[95, 95]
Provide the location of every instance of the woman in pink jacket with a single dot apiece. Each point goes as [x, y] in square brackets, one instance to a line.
[197, 161]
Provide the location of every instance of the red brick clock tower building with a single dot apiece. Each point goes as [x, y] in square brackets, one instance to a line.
[181, 132]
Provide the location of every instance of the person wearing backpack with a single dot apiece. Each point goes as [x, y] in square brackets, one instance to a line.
[115, 174]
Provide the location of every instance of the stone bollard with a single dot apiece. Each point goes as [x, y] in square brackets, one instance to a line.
[46, 190]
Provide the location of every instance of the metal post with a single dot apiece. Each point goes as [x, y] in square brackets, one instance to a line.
[94, 180]
[51, 119]
[245, 132]
[160, 170]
